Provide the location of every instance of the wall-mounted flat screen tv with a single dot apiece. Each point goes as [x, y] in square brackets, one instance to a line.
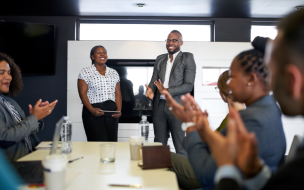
[32, 46]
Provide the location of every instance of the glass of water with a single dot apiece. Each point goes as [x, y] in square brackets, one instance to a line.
[107, 152]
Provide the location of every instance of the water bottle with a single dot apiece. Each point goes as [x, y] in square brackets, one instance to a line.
[66, 136]
[144, 128]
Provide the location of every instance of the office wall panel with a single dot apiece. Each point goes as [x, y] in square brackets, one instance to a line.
[220, 50]
[74, 68]
[74, 106]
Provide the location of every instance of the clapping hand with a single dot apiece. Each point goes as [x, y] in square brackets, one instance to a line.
[40, 105]
[238, 148]
[160, 86]
[149, 92]
[183, 113]
[42, 109]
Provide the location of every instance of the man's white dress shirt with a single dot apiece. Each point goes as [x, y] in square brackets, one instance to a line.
[168, 71]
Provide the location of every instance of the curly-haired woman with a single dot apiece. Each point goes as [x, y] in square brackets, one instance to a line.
[17, 132]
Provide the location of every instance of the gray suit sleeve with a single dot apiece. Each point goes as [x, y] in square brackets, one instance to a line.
[189, 76]
[200, 159]
[154, 76]
[10, 134]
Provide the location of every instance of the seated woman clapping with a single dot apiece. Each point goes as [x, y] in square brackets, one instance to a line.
[17, 132]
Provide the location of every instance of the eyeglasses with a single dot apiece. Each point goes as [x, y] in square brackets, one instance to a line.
[174, 40]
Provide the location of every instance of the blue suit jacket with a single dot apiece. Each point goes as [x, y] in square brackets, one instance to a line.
[263, 117]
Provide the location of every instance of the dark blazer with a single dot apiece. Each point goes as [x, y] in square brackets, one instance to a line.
[263, 117]
[289, 176]
[181, 79]
[13, 133]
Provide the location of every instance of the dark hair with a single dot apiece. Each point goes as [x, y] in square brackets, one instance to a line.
[252, 60]
[176, 31]
[292, 39]
[16, 84]
[222, 85]
[141, 88]
[93, 50]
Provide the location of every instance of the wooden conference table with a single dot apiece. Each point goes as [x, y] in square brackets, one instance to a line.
[90, 173]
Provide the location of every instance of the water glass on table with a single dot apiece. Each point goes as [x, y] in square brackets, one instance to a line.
[107, 152]
[136, 143]
[54, 171]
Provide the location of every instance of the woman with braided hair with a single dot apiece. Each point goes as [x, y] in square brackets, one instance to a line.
[248, 74]
[248, 83]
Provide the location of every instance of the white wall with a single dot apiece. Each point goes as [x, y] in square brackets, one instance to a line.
[206, 54]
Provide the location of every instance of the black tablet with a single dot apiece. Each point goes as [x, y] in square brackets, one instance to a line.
[106, 112]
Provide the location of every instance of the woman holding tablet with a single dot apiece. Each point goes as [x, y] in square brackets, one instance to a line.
[99, 91]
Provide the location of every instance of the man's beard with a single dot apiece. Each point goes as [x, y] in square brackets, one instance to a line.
[284, 98]
[172, 52]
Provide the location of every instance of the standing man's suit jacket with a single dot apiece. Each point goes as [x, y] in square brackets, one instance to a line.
[289, 176]
[181, 79]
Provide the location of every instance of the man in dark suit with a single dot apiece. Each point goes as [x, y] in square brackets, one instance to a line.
[173, 72]
[238, 151]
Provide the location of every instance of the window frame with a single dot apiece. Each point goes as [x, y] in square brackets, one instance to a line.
[145, 21]
[262, 23]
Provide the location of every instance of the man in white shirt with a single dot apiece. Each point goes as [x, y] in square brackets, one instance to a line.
[173, 72]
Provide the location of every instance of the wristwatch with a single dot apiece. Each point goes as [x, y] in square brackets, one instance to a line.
[185, 125]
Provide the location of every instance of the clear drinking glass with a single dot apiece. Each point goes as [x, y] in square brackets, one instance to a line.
[107, 152]
[136, 143]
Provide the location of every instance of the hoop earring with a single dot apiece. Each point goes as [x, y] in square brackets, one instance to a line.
[249, 84]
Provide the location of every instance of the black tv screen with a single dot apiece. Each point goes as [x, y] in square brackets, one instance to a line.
[32, 46]
[134, 74]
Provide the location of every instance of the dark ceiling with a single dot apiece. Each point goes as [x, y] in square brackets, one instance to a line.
[176, 8]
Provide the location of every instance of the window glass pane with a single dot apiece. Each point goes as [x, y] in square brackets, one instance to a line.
[210, 75]
[146, 32]
[263, 31]
[144, 73]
